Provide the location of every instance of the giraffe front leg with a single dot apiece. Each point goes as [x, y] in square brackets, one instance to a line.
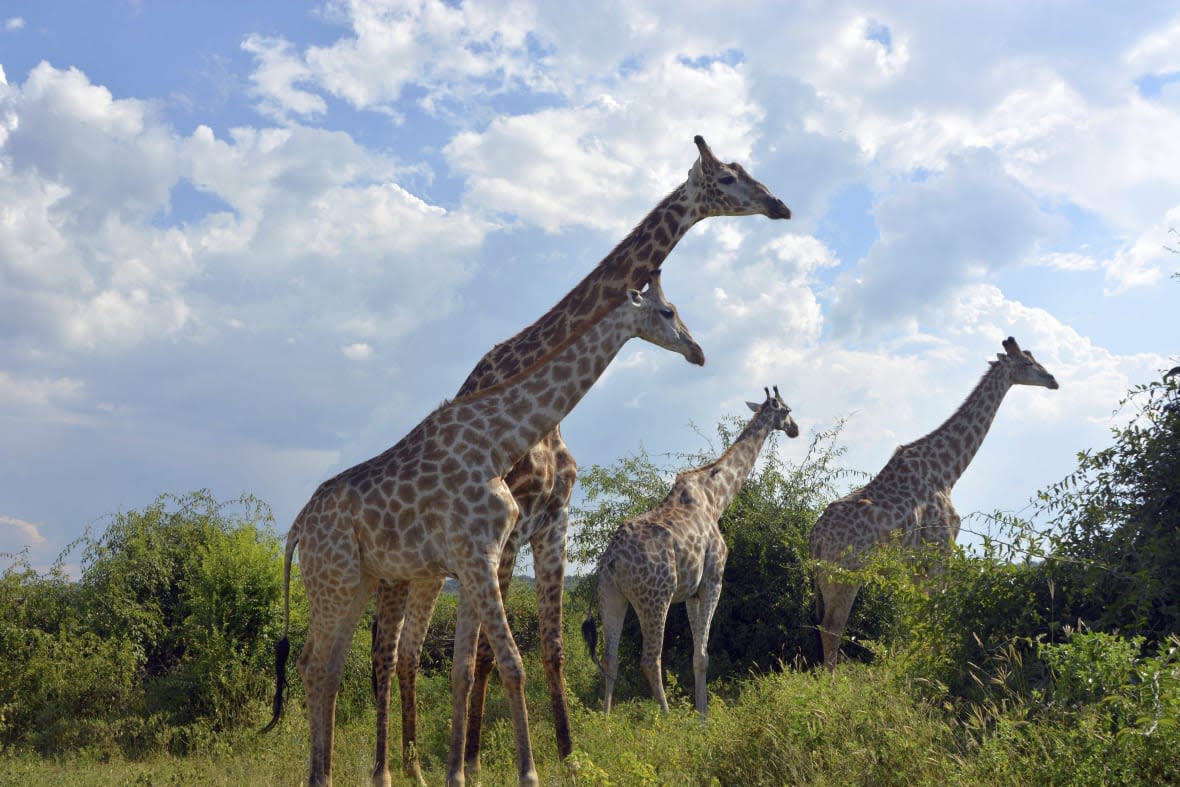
[462, 676]
[481, 587]
[387, 626]
[485, 660]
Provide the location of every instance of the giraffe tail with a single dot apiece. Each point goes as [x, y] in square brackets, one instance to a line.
[283, 646]
[590, 635]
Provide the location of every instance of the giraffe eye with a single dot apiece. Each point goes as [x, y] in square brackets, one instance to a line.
[666, 313]
[726, 180]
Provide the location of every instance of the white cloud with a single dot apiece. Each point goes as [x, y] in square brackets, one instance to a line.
[1157, 52]
[86, 177]
[862, 51]
[358, 351]
[14, 23]
[766, 299]
[26, 534]
[275, 79]
[1066, 261]
[26, 394]
[603, 163]
[1142, 262]
[935, 236]
[449, 52]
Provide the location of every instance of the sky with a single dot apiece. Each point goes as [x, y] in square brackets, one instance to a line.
[244, 246]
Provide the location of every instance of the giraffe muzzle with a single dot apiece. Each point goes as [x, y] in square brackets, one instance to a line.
[777, 209]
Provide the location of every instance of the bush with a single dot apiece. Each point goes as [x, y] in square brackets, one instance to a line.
[170, 627]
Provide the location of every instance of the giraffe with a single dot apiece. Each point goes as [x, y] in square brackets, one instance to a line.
[911, 496]
[543, 480]
[436, 504]
[675, 552]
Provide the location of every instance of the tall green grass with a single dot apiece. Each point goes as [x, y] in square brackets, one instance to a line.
[867, 725]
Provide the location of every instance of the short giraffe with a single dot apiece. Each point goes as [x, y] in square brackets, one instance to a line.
[543, 480]
[436, 504]
[911, 496]
[674, 553]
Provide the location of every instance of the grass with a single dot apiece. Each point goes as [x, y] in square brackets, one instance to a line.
[793, 728]
[864, 726]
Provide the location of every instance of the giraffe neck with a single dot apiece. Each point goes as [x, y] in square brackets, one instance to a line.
[725, 476]
[951, 447]
[516, 413]
[628, 266]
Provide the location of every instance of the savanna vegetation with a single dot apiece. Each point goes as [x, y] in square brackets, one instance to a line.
[1049, 655]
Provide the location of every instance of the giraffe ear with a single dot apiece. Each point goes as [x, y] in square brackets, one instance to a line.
[754, 407]
[635, 297]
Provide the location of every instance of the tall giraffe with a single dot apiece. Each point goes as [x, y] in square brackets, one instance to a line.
[436, 504]
[675, 552]
[911, 496]
[543, 480]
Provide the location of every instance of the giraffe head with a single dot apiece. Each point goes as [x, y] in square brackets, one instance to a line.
[720, 189]
[657, 321]
[1023, 368]
[777, 411]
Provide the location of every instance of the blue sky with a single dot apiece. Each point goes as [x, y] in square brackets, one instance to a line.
[246, 245]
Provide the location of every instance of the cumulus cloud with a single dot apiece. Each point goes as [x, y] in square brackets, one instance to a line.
[599, 163]
[92, 263]
[447, 51]
[275, 79]
[18, 534]
[1157, 52]
[38, 395]
[935, 236]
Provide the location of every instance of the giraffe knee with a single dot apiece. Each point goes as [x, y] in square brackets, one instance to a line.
[512, 674]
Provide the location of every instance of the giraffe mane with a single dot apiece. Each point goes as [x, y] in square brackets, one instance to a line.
[548, 356]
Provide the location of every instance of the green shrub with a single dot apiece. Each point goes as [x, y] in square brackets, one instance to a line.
[164, 641]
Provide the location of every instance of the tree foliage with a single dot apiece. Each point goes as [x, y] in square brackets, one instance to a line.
[165, 637]
[1116, 522]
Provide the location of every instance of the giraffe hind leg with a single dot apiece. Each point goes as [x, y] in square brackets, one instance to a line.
[387, 626]
[331, 624]
[612, 608]
[652, 621]
[837, 604]
[701, 609]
